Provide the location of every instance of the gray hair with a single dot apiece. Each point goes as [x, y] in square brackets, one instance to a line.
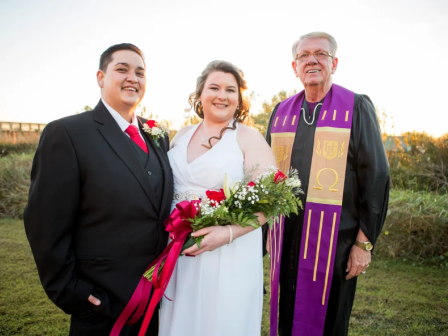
[333, 43]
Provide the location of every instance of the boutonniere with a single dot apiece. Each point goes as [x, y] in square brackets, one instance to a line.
[156, 130]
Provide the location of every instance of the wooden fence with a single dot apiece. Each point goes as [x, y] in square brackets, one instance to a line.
[20, 127]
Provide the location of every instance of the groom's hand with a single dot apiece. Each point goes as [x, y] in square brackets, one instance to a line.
[93, 300]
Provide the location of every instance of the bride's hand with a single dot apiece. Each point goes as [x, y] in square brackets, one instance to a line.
[215, 236]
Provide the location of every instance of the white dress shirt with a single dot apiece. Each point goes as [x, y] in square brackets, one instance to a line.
[123, 123]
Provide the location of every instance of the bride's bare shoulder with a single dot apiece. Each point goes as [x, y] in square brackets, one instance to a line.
[179, 134]
[255, 148]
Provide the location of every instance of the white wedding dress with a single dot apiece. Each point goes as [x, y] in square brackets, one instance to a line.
[218, 293]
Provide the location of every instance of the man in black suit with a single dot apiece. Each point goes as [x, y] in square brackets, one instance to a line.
[100, 192]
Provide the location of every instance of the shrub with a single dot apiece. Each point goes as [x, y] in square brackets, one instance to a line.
[11, 143]
[21, 148]
[416, 227]
[419, 162]
[14, 184]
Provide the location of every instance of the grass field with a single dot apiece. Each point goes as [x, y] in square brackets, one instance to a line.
[394, 298]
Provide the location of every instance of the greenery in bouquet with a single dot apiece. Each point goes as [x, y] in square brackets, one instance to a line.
[273, 193]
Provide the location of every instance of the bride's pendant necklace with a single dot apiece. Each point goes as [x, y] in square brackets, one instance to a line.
[314, 114]
[202, 137]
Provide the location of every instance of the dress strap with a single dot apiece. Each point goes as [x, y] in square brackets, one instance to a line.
[184, 140]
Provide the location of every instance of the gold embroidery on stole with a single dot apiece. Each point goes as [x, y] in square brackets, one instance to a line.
[328, 173]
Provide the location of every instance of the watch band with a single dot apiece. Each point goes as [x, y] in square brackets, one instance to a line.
[366, 246]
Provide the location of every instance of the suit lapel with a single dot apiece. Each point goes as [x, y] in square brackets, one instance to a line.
[161, 154]
[116, 139]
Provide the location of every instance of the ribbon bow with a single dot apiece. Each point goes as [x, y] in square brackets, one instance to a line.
[178, 225]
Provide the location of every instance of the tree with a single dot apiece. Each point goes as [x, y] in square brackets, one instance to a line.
[86, 108]
[143, 111]
[191, 120]
[261, 119]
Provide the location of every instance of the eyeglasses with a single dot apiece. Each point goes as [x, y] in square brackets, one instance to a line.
[319, 55]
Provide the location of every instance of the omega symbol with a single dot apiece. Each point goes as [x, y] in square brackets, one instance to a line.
[331, 188]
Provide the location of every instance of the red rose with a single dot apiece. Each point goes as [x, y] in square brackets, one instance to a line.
[251, 184]
[216, 197]
[279, 177]
[151, 123]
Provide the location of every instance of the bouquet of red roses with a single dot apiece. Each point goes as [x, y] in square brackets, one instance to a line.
[273, 193]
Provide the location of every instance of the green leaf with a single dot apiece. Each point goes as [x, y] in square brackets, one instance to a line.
[198, 241]
[188, 243]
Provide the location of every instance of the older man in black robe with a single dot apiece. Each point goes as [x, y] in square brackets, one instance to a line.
[365, 195]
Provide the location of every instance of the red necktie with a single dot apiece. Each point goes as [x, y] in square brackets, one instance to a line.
[133, 133]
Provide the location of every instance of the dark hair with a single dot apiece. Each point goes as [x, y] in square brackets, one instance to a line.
[240, 114]
[106, 56]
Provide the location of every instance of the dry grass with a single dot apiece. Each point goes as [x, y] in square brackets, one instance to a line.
[16, 142]
[19, 138]
[14, 184]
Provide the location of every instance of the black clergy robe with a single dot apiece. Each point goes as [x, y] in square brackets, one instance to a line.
[364, 205]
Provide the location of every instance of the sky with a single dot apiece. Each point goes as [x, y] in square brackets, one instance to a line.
[395, 51]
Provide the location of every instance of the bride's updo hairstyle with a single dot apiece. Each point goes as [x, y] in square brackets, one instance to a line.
[241, 113]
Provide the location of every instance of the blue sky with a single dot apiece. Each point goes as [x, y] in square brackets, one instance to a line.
[394, 51]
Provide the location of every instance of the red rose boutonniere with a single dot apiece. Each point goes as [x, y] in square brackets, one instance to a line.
[156, 130]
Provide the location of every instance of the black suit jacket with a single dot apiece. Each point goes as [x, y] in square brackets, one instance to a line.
[92, 218]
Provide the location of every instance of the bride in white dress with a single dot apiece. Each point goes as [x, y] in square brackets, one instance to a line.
[219, 291]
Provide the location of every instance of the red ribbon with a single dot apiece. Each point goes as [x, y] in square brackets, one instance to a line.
[179, 227]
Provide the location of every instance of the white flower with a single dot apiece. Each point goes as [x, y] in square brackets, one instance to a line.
[293, 182]
[230, 185]
[156, 131]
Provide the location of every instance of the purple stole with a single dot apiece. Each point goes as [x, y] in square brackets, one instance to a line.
[323, 205]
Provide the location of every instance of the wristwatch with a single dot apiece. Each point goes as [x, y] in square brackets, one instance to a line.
[366, 246]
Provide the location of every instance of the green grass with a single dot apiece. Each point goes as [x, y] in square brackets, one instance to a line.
[24, 306]
[394, 298]
[399, 299]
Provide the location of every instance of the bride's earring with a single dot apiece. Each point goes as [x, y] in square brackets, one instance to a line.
[237, 111]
